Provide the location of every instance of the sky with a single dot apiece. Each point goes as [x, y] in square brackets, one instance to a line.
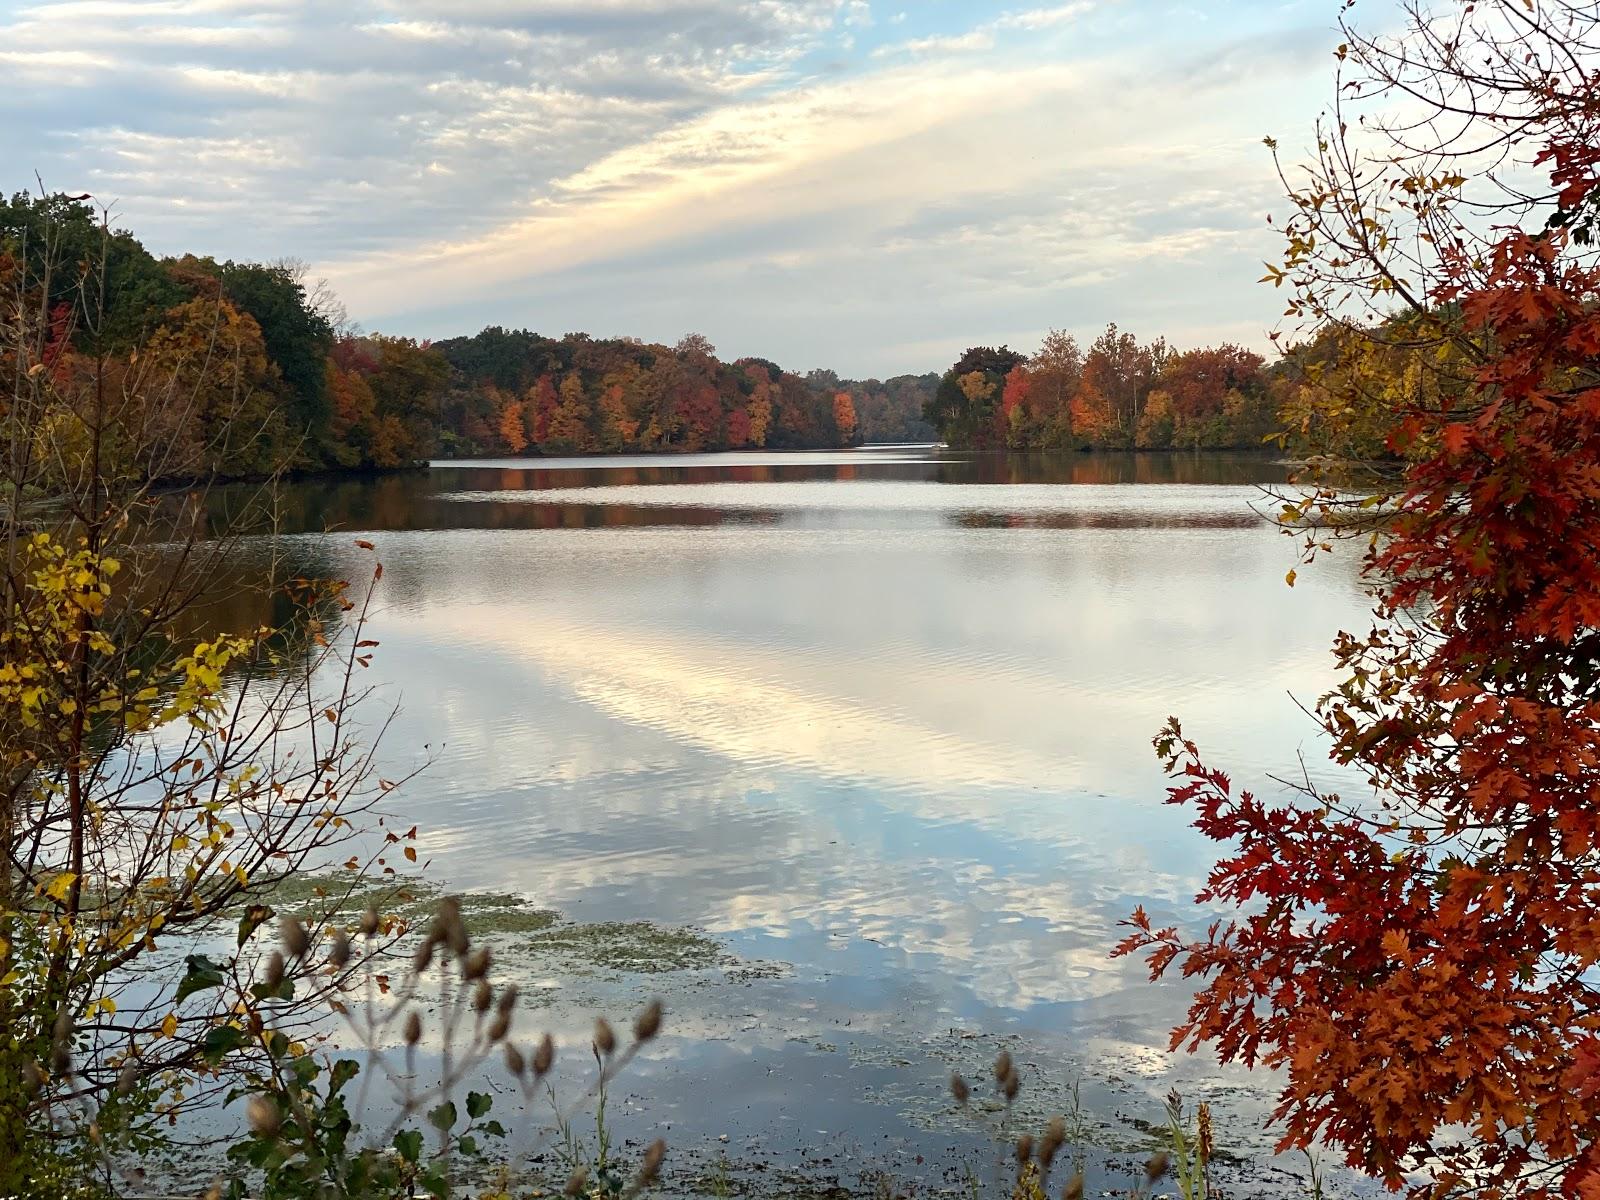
[865, 185]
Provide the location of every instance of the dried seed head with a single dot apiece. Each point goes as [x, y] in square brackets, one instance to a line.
[61, 1043]
[605, 1040]
[1074, 1188]
[650, 1167]
[127, 1077]
[575, 1182]
[413, 1028]
[263, 1114]
[508, 999]
[423, 958]
[959, 1089]
[214, 1192]
[295, 938]
[648, 1023]
[1156, 1167]
[1024, 1149]
[449, 928]
[1002, 1066]
[32, 1077]
[1012, 1085]
[275, 968]
[1055, 1136]
[95, 1135]
[339, 952]
[482, 996]
[500, 1027]
[1205, 1147]
[61, 1058]
[515, 1063]
[369, 922]
[545, 1056]
[476, 964]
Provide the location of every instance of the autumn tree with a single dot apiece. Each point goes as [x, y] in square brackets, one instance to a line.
[1057, 372]
[569, 427]
[511, 425]
[1421, 961]
[159, 773]
[540, 405]
[963, 408]
[844, 416]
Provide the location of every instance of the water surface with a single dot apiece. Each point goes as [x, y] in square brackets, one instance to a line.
[877, 722]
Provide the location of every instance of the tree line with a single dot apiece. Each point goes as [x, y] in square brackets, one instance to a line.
[248, 368]
[1118, 394]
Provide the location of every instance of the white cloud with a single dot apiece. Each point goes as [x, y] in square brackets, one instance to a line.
[652, 166]
[983, 36]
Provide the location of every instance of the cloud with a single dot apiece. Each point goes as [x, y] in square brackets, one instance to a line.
[984, 36]
[806, 179]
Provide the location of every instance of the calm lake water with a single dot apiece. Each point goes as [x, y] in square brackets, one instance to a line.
[875, 727]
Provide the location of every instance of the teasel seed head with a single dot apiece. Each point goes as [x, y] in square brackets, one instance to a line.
[575, 1182]
[413, 1028]
[476, 964]
[263, 1115]
[1002, 1066]
[959, 1089]
[339, 952]
[1074, 1188]
[32, 1077]
[61, 1043]
[423, 958]
[545, 1056]
[650, 1167]
[508, 999]
[1024, 1149]
[1156, 1167]
[605, 1040]
[450, 928]
[648, 1023]
[499, 1027]
[1055, 1136]
[127, 1077]
[369, 922]
[295, 938]
[515, 1063]
[1012, 1085]
[275, 969]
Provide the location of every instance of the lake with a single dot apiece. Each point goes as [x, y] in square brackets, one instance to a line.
[865, 738]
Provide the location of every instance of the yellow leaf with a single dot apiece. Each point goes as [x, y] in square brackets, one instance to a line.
[169, 1027]
[411, 853]
[1290, 578]
[58, 887]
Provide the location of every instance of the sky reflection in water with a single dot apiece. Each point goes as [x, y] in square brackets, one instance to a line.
[882, 717]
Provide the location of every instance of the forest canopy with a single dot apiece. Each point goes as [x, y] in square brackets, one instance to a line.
[291, 384]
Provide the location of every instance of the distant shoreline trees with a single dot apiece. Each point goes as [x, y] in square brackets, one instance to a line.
[292, 386]
[1119, 394]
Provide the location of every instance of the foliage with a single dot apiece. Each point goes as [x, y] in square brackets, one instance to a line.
[305, 1138]
[516, 392]
[1119, 394]
[156, 771]
[1422, 963]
